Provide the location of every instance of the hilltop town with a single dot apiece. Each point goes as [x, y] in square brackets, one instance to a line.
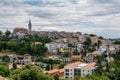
[59, 55]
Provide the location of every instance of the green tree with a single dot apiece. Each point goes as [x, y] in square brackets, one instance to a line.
[61, 65]
[5, 59]
[99, 43]
[47, 67]
[56, 77]
[66, 54]
[117, 42]
[117, 74]
[7, 33]
[30, 72]
[14, 66]
[75, 52]
[88, 41]
[77, 78]
[100, 37]
[51, 66]
[0, 32]
[4, 71]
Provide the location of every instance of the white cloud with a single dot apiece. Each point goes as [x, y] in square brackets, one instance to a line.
[50, 28]
[69, 15]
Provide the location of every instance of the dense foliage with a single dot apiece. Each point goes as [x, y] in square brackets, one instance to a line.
[117, 42]
[61, 65]
[4, 71]
[29, 73]
[24, 46]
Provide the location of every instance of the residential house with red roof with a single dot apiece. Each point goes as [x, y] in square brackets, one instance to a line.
[79, 68]
[55, 71]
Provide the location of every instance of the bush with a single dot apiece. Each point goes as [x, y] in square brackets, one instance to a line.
[4, 71]
[61, 65]
[30, 72]
[56, 77]
[116, 42]
[100, 37]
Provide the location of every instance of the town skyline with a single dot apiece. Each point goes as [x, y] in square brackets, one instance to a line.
[88, 16]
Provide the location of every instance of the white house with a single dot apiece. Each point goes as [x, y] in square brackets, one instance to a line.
[82, 38]
[112, 50]
[102, 49]
[79, 47]
[94, 39]
[20, 59]
[78, 68]
[52, 47]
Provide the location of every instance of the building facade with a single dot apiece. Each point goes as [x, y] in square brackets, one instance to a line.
[79, 69]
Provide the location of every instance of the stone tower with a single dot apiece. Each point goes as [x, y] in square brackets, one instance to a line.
[29, 26]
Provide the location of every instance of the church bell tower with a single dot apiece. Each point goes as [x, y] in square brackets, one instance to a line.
[30, 26]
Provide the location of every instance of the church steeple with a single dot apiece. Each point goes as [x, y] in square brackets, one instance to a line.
[30, 26]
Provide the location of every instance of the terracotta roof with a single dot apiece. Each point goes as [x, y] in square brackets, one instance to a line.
[37, 43]
[92, 64]
[2, 78]
[74, 39]
[55, 71]
[26, 55]
[96, 53]
[52, 43]
[89, 58]
[2, 55]
[76, 57]
[73, 64]
[52, 71]
[61, 70]
[22, 30]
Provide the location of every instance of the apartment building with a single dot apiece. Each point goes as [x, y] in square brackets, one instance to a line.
[78, 68]
[20, 59]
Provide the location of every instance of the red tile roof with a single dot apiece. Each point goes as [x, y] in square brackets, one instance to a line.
[61, 70]
[2, 55]
[3, 78]
[55, 71]
[96, 53]
[22, 30]
[37, 43]
[92, 64]
[76, 57]
[74, 64]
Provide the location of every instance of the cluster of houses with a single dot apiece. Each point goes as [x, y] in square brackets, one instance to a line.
[21, 59]
[66, 42]
[72, 43]
[69, 71]
[25, 59]
[21, 33]
[75, 42]
[74, 69]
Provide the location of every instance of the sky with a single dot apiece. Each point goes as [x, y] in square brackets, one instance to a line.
[101, 17]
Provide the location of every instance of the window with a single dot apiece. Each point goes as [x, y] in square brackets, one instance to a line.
[66, 77]
[88, 70]
[67, 74]
[67, 70]
[83, 70]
